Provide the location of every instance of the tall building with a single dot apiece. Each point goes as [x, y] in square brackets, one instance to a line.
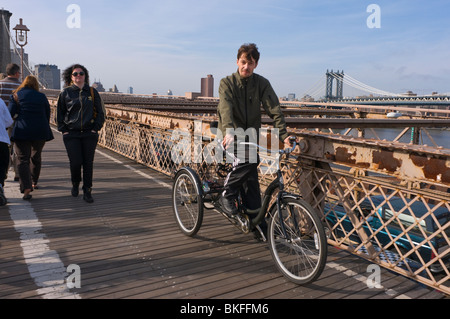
[16, 58]
[98, 86]
[114, 89]
[49, 76]
[5, 47]
[207, 86]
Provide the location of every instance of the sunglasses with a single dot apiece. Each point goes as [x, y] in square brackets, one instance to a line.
[78, 74]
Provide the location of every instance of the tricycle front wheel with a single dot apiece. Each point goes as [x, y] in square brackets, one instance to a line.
[299, 252]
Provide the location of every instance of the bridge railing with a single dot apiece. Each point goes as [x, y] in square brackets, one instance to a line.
[387, 202]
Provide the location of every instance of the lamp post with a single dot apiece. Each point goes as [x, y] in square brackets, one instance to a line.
[21, 39]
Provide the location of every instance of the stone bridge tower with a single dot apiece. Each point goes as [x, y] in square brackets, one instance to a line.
[5, 47]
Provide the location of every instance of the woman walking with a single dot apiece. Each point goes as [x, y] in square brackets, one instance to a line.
[31, 131]
[80, 115]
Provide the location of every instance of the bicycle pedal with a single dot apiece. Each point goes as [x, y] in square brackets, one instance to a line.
[244, 222]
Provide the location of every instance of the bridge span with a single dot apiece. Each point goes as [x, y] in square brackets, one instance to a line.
[383, 203]
[127, 245]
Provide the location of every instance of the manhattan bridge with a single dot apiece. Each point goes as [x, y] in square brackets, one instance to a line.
[333, 83]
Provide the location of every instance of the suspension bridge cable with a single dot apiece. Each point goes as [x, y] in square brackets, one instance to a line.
[347, 79]
[367, 88]
[316, 88]
[354, 83]
[350, 80]
[17, 51]
[318, 92]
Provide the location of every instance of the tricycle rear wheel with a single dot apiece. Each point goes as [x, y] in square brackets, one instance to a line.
[187, 201]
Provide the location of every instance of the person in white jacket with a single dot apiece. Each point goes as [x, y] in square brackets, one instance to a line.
[5, 122]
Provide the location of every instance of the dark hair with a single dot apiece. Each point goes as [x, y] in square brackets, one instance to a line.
[67, 74]
[12, 69]
[250, 50]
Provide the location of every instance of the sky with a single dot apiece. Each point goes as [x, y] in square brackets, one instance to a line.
[155, 46]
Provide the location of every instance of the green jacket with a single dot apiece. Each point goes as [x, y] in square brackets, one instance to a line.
[241, 100]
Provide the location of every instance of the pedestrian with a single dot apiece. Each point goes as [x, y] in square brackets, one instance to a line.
[5, 122]
[7, 85]
[80, 116]
[31, 111]
[241, 96]
[10, 83]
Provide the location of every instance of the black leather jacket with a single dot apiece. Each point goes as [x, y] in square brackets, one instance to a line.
[75, 110]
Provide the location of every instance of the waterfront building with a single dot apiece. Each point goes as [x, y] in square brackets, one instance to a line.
[48, 75]
[98, 86]
[207, 86]
[15, 58]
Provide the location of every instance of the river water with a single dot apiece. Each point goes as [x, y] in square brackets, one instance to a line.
[440, 136]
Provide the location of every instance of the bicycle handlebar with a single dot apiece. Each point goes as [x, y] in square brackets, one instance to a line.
[286, 151]
[283, 151]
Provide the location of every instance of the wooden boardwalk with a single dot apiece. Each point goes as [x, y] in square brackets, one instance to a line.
[127, 245]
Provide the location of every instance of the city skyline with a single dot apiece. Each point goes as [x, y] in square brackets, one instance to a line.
[156, 46]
